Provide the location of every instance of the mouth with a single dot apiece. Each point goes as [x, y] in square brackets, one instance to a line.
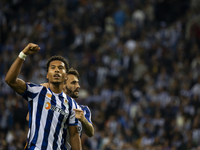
[76, 91]
[56, 76]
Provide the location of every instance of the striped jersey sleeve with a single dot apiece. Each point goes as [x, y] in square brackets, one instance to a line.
[32, 90]
[87, 112]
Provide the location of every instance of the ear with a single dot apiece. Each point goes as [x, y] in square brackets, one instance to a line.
[47, 76]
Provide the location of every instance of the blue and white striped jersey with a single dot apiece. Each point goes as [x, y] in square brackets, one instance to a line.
[49, 115]
[87, 114]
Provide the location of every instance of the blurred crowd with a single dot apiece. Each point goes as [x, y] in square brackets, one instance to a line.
[139, 62]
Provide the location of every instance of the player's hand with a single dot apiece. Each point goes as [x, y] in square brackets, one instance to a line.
[31, 48]
[79, 115]
[45, 85]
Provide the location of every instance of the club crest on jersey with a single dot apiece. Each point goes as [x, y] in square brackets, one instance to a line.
[66, 103]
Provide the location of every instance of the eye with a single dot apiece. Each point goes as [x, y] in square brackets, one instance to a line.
[61, 67]
[74, 82]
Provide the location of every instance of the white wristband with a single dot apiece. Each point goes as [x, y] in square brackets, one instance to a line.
[22, 55]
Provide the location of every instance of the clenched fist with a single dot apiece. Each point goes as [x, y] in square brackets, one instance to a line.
[31, 48]
[79, 115]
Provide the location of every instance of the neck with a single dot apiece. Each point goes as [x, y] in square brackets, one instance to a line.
[56, 87]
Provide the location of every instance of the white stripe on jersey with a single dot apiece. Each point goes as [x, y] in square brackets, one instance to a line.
[41, 128]
[48, 115]
[33, 127]
[75, 106]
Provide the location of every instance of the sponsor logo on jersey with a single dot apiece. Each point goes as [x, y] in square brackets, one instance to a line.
[47, 105]
[55, 108]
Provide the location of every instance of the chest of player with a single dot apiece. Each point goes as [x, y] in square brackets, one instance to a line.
[56, 104]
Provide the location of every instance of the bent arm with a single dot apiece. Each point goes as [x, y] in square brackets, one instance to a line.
[87, 127]
[75, 140]
[11, 77]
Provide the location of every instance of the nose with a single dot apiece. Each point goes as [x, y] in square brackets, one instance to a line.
[78, 85]
[56, 69]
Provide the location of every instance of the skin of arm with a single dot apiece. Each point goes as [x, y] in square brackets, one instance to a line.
[74, 138]
[87, 126]
[11, 79]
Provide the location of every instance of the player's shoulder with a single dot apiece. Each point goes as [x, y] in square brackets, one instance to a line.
[71, 101]
[85, 108]
[68, 98]
[31, 84]
[32, 87]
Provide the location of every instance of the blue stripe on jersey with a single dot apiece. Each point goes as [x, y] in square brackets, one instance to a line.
[48, 124]
[30, 105]
[70, 102]
[55, 145]
[64, 135]
[32, 148]
[87, 112]
[63, 147]
[58, 126]
[70, 108]
[62, 100]
[27, 94]
[30, 95]
[38, 114]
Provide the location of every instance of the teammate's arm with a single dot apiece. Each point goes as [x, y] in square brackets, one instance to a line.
[87, 126]
[75, 140]
[45, 85]
[12, 79]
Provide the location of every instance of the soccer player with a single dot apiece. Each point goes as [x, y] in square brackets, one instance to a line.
[50, 109]
[83, 114]
[71, 88]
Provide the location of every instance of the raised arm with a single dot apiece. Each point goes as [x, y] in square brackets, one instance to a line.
[87, 126]
[75, 140]
[12, 75]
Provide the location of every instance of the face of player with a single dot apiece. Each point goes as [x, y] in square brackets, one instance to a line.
[72, 86]
[57, 72]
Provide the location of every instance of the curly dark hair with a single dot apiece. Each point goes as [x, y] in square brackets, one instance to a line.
[57, 57]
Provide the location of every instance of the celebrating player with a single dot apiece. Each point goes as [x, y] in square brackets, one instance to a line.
[83, 114]
[50, 109]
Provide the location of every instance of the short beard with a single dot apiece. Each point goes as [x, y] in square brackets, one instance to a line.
[70, 93]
